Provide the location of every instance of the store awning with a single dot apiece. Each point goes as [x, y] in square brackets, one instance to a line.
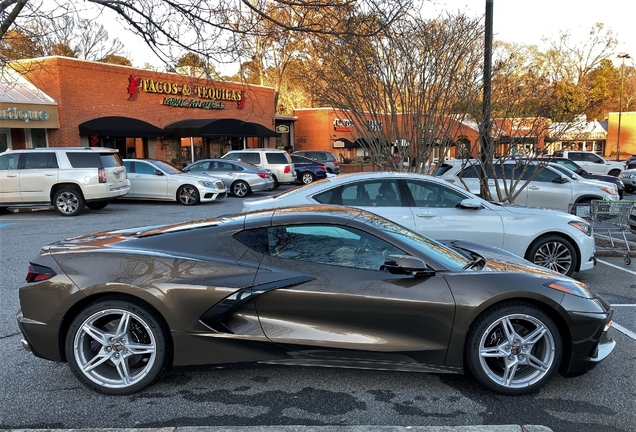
[121, 127]
[219, 128]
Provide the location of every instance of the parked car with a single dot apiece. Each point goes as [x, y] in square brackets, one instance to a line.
[629, 180]
[318, 285]
[573, 166]
[574, 176]
[152, 179]
[592, 162]
[308, 170]
[325, 157]
[630, 163]
[547, 187]
[277, 161]
[66, 178]
[631, 221]
[438, 209]
[240, 178]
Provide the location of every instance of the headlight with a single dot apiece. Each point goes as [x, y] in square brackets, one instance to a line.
[582, 226]
[207, 184]
[573, 287]
[611, 191]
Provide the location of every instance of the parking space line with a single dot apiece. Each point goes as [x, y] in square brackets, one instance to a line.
[623, 305]
[624, 330]
[616, 267]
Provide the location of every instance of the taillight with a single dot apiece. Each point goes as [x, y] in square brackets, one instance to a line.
[101, 172]
[263, 175]
[322, 167]
[335, 162]
[37, 273]
[287, 169]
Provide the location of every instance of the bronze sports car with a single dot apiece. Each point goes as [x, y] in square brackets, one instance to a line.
[315, 286]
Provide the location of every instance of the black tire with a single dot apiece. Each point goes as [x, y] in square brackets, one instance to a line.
[276, 183]
[188, 195]
[555, 253]
[513, 348]
[68, 201]
[97, 205]
[614, 172]
[307, 177]
[136, 353]
[240, 189]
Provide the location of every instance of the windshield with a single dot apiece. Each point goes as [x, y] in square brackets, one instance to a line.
[166, 167]
[442, 254]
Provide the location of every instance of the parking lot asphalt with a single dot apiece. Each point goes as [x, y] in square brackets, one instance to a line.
[490, 428]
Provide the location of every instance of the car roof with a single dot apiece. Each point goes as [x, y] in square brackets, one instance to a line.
[73, 149]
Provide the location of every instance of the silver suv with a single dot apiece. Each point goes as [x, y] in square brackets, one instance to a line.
[275, 160]
[548, 187]
[67, 178]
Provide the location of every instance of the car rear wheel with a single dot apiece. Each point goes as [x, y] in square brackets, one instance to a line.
[240, 189]
[514, 348]
[276, 183]
[68, 201]
[188, 195]
[307, 177]
[555, 253]
[97, 205]
[116, 346]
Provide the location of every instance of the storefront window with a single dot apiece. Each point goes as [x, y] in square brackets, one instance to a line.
[5, 139]
[36, 138]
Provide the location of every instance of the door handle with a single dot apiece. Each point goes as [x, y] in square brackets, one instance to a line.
[12, 175]
[426, 215]
[534, 188]
[49, 174]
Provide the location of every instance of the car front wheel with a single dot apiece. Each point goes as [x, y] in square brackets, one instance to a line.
[514, 348]
[188, 195]
[68, 202]
[555, 253]
[116, 346]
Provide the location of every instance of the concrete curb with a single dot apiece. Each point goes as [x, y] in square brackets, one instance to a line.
[358, 428]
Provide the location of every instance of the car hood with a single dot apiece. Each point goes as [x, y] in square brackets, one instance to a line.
[498, 260]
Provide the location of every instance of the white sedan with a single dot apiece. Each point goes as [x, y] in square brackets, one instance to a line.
[157, 180]
[435, 208]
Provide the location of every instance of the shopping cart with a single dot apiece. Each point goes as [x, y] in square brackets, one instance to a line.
[607, 217]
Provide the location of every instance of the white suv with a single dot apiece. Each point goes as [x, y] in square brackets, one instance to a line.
[68, 178]
[591, 162]
[548, 188]
[275, 160]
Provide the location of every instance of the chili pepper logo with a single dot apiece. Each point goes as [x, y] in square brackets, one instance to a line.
[240, 104]
[133, 86]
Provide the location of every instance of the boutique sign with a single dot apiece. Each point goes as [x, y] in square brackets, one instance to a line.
[28, 116]
[184, 95]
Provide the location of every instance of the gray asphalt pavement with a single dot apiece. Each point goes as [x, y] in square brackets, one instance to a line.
[502, 428]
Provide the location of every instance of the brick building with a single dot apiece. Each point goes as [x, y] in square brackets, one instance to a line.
[149, 114]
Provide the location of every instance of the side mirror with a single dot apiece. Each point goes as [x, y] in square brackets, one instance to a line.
[158, 172]
[406, 264]
[561, 180]
[470, 203]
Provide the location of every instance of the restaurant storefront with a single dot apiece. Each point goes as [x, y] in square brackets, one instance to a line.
[148, 114]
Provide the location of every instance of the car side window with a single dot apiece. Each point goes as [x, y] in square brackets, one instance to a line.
[326, 197]
[40, 160]
[201, 166]
[233, 156]
[470, 171]
[546, 175]
[276, 158]
[427, 194]
[9, 162]
[331, 245]
[253, 158]
[144, 168]
[575, 156]
[384, 193]
[591, 157]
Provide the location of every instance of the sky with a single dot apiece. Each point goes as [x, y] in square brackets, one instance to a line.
[517, 21]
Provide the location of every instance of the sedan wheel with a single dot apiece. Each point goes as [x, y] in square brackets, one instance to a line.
[307, 177]
[188, 195]
[555, 253]
[68, 202]
[116, 347]
[514, 348]
[240, 189]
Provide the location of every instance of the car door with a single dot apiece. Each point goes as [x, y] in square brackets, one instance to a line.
[548, 189]
[218, 169]
[10, 178]
[37, 176]
[437, 214]
[350, 310]
[147, 183]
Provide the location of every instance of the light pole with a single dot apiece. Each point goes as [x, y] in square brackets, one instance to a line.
[620, 107]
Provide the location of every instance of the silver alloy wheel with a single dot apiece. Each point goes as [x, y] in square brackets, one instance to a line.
[554, 255]
[517, 351]
[67, 202]
[115, 348]
[188, 195]
[240, 189]
[307, 177]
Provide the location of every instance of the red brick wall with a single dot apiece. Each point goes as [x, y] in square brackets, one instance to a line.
[86, 90]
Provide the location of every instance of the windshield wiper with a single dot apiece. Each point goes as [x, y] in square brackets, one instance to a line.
[478, 259]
